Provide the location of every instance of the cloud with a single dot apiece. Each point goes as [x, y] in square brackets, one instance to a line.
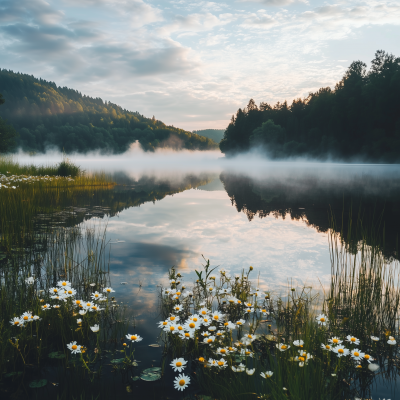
[275, 3]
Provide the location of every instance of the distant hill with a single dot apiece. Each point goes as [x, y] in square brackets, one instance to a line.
[214, 134]
[46, 115]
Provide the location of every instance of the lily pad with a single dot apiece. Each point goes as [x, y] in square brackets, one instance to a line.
[117, 360]
[153, 369]
[151, 374]
[135, 378]
[38, 383]
[154, 345]
[57, 354]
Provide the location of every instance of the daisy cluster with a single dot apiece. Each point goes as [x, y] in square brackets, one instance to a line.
[64, 294]
[9, 182]
[192, 318]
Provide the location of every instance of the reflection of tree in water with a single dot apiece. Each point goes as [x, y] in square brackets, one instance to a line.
[374, 201]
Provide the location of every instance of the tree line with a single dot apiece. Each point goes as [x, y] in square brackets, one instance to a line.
[358, 119]
[45, 115]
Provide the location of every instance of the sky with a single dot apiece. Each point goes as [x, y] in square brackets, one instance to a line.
[193, 64]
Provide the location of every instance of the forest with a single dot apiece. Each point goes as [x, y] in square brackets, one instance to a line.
[36, 115]
[359, 119]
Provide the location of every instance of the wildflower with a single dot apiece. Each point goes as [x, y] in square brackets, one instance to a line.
[75, 348]
[368, 358]
[219, 333]
[210, 290]
[238, 301]
[352, 340]
[177, 308]
[357, 355]
[229, 326]
[225, 291]
[172, 281]
[88, 305]
[212, 362]
[206, 321]
[201, 359]
[249, 310]
[373, 367]
[322, 319]
[341, 351]
[206, 334]
[209, 340]
[246, 352]
[36, 318]
[335, 341]
[95, 328]
[16, 321]
[96, 296]
[64, 284]
[234, 369]
[248, 305]
[134, 338]
[46, 307]
[78, 303]
[240, 322]
[186, 335]
[266, 374]
[192, 325]
[212, 328]
[265, 312]
[326, 347]
[171, 328]
[56, 306]
[181, 382]
[108, 290]
[232, 300]
[70, 292]
[222, 351]
[216, 316]
[221, 363]
[30, 280]
[179, 364]
[375, 338]
[298, 343]
[187, 293]
[282, 346]
[95, 308]
[250, 371]
[249, 338]
[78, 321]
[53, 290]
[82, 312]
[391, 342]
[173, 318]
[27, 316]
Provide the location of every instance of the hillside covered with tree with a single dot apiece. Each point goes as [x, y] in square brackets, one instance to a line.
[358, 119]
[213, 134]
[46, 116]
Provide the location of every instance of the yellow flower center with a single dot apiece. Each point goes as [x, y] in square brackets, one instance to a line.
[226, 324]
[210, 289]
[238, 323]
[230, 348]
[171, 318]
[250, 337]
[341, 351]
[219, 334]
[223, 351]
[26, 318]
[356, 353]
[182, 382]
[327, 346]
[94, 308]
[216, 317]
[192, 325]
[180, 328]
[96, 295]
[301, 359]
[69, 291]
[231, 301]
[195, 319]
[74, 347]
[16, 322]
[335, 341]
[55, 290]
[124, 344]
[353, 339]
[220, 363]
[179, 364]
[205, 333]
[165, 323]
[322, 319]
[171, 328]
[177, 308]
[205, 319]
[64, 284]
[209, 341]
[284, 347]
[187, 334]
[359, 366]
[366, 357]
[239, 302]
[247, 353]
[45, 306]
[263, 310]
[133, 337]
[109, 290]
[178, 293]
[201, 359]
[204, 312]
[88, 304]
[77, 302]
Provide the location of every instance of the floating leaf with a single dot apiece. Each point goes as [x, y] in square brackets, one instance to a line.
[151, 374]
[154, 345]
[38, 384]
[135, 378]
[153, 369]
[57, 354]
[117, 360]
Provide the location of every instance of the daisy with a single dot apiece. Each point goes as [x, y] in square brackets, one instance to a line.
[249, 310]
[216, 316]
[246, 352]
[95, 308]
[195, 318]
[210, 290]
[249, 305]
[267, 374]
[16, 321]
[232, 300]
[30, 280]
[64, 284]
[36, 318]
[187, 293]
[108, 290]
[206, 321]
[352, 340]
[375, 338]
[212, 328]
[298, 343]
[78, 303]
[249, 338]
[181, 382]
[70, 292]
[206, 334]
[335, 341]
[172, 281]
[341, 351]
[173, 318]
[75, 348]
[96, 296]
[171, 328]
[234, 369]
[222, 351]
[27, 317]
[282, 346]
[212, 362]
[134, 338]
[179, 364]
[230, 326]
[46, 307]
[368, 358]
[240, 322]
[179, 327]
[56, 306]
[82, 312]
[204, 311]
[265, 312]
[219, 333]
[357, 355]
[95, 328]
[225, 291]
[186, 335]
[209, 340]
[88, 305]
[391, 342]
[177, 308]
[221, 363]
[238, 301]
[78, 321]
[53, 290]
[250, 371]
[192, 326]
[322, 319]
[326, 347]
